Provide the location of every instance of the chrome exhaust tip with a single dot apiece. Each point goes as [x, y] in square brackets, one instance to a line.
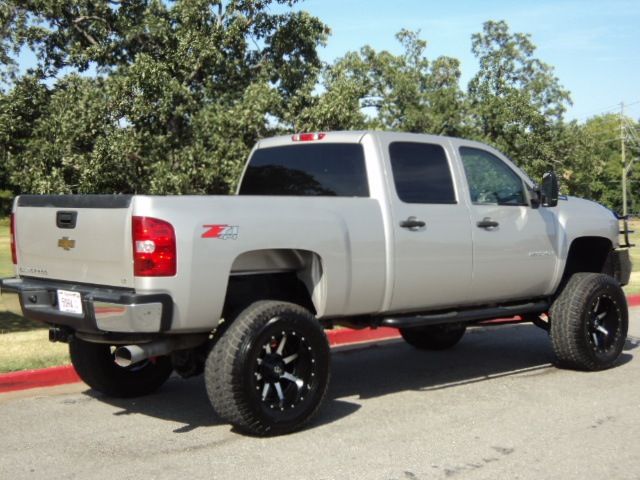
[130, 355]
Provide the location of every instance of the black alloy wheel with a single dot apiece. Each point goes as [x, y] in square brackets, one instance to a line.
[605, 320]
[589, 322]
[284, 370]
[268, 372]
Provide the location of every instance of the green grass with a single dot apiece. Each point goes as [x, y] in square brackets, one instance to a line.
[29, 350]
[6, 268]
[10, 317]
[24, 344]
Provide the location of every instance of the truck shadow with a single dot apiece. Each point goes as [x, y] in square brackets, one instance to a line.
[484, 354]
[381, 369]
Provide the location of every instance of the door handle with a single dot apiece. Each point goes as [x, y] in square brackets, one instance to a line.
[412, 223]
[487, 223]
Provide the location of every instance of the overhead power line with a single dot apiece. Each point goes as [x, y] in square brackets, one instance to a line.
[607, 109]
[610, 108]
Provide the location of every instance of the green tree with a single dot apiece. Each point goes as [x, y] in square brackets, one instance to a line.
[155, 96]
[516, 102]
[380, 90]
[178, 92]
[594, 169]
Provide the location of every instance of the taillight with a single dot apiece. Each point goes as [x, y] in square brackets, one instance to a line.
[12, 233]
[154, 248]
[308, 137]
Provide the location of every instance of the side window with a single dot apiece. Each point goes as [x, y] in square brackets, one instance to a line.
[421, 173]
[490, 180]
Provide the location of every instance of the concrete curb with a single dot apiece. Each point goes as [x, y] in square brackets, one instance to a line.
[49, 377]
[46, 377]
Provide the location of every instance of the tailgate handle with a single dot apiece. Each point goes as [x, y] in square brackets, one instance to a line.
[65, 219]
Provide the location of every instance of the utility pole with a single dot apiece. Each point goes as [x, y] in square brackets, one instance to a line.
[624, 161]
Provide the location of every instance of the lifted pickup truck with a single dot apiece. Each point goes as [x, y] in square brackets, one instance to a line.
[423, 233]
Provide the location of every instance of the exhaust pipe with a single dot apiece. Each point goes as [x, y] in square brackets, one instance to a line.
[132, 354]
[128, 355]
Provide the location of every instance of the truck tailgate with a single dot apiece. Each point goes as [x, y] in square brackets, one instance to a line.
[77, 238]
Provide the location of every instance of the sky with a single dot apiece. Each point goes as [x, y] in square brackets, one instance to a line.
[594, 46]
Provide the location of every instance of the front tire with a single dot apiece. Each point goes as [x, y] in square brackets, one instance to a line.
[268, 373]
[589, 322]
[436, 337]
[95, 365]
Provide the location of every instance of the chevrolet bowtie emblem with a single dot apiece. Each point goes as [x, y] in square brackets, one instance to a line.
[66, 243]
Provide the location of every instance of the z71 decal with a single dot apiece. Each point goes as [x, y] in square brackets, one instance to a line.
[222, 232]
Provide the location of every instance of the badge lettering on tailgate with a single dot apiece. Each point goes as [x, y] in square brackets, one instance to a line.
[221, 232]
[33, 271]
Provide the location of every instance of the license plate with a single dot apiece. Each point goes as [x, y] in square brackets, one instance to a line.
[69, 302]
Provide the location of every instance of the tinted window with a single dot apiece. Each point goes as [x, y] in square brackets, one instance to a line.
[421, 173]
[491, 181]
[329, 169]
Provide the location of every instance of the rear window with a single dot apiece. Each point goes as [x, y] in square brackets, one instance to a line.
[328, 169]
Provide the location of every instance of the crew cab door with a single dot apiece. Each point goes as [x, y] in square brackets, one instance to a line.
[514, 253]
[432, 234]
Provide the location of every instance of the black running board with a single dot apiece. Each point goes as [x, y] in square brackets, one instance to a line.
[466, 316]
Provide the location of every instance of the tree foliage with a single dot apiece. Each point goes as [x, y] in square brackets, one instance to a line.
[517, 103]
[181, 91]
[164, 97]
[380, 90]
[596, 167]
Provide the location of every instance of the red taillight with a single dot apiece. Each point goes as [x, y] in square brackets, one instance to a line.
[12, 233]
[154, 248]
[308, 137]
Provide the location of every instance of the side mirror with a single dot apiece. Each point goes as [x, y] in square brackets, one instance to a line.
[549, 190]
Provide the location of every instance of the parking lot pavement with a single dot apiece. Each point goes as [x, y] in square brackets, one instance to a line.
[493, 407]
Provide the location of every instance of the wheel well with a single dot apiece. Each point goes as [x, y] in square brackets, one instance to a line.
[588, 254]
[290, 275]
[246, 289]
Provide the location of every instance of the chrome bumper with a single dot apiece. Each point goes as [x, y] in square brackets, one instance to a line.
[103, 309]
[115, 317]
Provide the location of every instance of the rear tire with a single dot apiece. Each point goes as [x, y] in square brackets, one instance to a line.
[436, 337]
[95, 365]
[589, 322]
[268, 373]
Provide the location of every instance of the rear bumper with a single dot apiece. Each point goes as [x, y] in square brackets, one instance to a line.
[104, 310]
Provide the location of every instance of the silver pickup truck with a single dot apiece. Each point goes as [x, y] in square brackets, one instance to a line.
[361, 229]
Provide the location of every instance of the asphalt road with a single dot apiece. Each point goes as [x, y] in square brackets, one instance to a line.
[494, 407]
